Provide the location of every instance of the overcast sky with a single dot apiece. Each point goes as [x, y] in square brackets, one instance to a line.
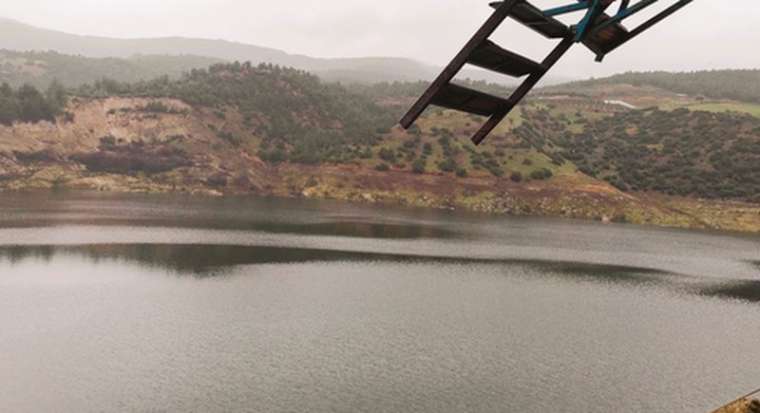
[707, 34]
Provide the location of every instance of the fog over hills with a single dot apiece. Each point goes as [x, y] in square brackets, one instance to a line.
[18, 36]
[41, 68]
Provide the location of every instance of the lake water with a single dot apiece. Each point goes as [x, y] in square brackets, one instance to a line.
[172, 303]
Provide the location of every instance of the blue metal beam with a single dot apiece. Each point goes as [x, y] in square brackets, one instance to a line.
[624, 14]
[582, 5]
[658, 18]
[593, 12]
[623, 6]
[653, 21]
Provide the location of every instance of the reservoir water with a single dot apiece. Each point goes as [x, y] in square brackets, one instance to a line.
[182, 304]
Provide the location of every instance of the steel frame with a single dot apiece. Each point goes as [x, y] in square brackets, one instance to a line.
[594, 8]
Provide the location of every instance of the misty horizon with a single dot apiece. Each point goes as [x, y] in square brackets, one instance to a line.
[419, 31]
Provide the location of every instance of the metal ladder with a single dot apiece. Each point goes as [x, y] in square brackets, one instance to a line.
[480, 51]
[598, 31]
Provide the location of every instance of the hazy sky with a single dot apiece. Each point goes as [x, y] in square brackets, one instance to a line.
[706, 34]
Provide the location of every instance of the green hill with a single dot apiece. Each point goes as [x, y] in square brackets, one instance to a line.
[679, 152]
[301, 118]
[294, 117]
[742, 85]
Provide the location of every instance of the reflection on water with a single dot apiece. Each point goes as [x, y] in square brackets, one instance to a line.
[206, 260]
[209, 260]
[246, 214]
[358, 229]
[138, 303]
[748, 290]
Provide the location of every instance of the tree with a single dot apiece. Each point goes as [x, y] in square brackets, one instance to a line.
[32, 105]
[8, 105]
[56, 97]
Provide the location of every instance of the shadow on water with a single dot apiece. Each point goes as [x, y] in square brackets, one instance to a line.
[359, 229]
[613, 273]
[747, 290]
[211, 260]
[202, 261]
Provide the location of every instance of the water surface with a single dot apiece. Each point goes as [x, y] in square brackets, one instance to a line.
[173, 303]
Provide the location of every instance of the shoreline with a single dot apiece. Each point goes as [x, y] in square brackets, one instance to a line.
[684, 213]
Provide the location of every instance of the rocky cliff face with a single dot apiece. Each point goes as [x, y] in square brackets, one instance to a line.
[741, 406]
[124, 144]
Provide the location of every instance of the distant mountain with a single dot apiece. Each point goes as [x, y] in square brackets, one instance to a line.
[40, 68]
[18, 36]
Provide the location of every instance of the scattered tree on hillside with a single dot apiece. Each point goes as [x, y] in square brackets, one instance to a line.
[27, 104]
[316, 122]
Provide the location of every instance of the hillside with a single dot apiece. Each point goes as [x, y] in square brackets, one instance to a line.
[677, 152]
[239, 128]
[41, 68]
[741, 85]
[17, 36]
[745, 405]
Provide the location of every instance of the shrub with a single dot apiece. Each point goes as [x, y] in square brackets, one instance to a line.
[107, 141]
[495, 171]
[229, 137]
[516, 177]
[541, 174]
[156, 106]
[448, 165]
[312, 182]
[418, 166]
[218, 180]
[382, 167]
[273, 156]
[366, 153]
[387, 155]
[620, 218]
[45, 155]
